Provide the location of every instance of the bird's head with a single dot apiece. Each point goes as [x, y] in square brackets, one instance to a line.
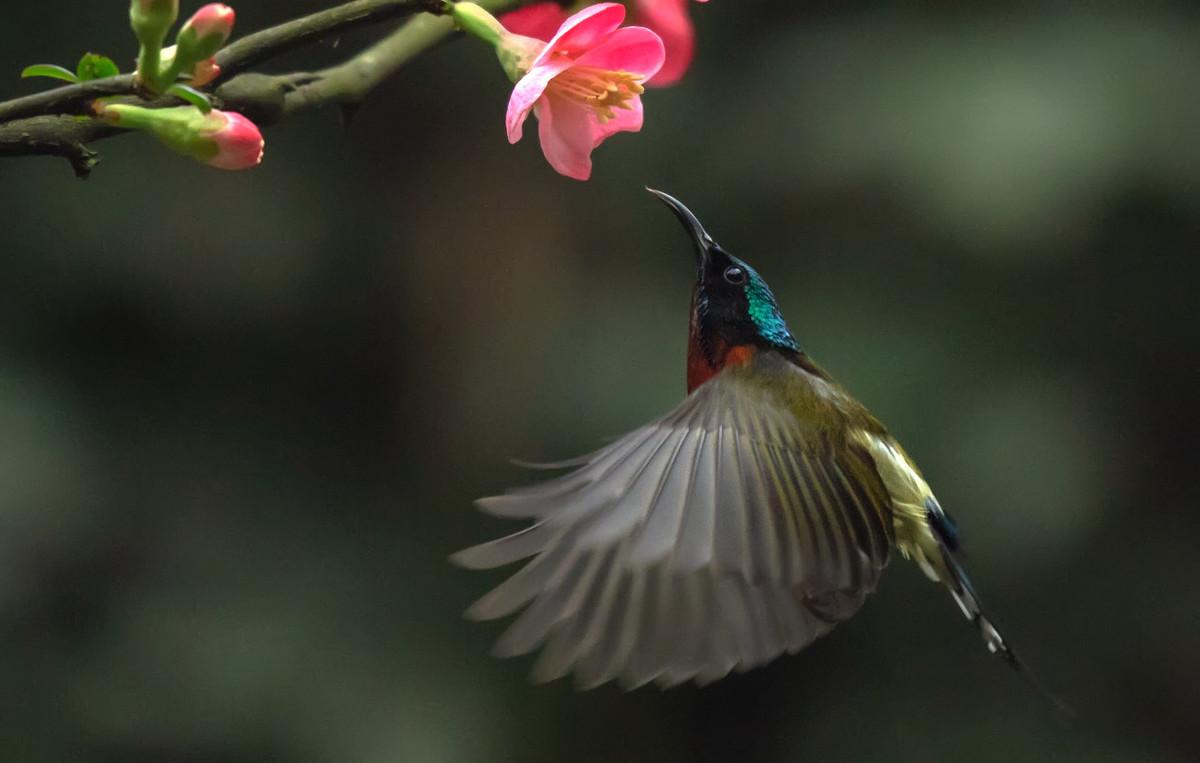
[734, 313]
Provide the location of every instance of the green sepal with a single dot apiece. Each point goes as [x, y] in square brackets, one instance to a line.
[53, 71]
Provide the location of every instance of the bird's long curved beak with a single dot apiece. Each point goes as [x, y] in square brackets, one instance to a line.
[704, 242]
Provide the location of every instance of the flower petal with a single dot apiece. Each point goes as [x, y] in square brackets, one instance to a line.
[565, 129]
[582, 31]
[527, 92]
[540, 20]
[631, 49]
[670, 19]
[626, 120]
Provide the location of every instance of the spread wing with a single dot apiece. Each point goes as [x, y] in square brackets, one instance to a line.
[713, 539]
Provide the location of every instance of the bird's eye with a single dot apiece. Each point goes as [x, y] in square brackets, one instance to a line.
[735, 275]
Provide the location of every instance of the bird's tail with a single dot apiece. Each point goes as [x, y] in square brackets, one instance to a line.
[929, 536]
[960, 587]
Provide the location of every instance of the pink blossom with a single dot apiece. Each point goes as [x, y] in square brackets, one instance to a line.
[669, 19]
[583, 85]
[540, 20]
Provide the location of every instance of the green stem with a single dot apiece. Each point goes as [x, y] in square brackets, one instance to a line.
[149, 61]
[475, 21]
[168, 76]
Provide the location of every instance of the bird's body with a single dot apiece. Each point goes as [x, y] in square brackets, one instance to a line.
[744, 524]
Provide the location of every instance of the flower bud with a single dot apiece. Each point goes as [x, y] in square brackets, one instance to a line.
[204, 33]
[152, 19]
[222, 139]
[239, 143]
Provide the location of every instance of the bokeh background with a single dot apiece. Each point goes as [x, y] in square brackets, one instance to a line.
[243, 416]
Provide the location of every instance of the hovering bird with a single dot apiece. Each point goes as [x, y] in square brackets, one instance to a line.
[745, 523]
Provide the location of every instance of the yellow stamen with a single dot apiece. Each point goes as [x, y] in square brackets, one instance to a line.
[601, 90]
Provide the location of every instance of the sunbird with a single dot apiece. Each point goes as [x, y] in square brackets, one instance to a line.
[745, 523]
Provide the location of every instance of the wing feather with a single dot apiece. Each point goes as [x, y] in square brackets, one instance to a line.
[522, 587]
[871, 533]
[559, 602]
[850, 552]
[792, 547]
[824, 546]
[713, 539]
[762, 555]
[628, 503]
[729, 531]
[695, 549]
[660, 532]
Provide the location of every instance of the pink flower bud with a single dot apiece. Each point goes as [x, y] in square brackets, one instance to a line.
[214, 18]
[239, 142]
[205, 32]
[222, 139]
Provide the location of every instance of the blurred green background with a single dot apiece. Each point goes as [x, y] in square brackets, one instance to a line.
[243, 416]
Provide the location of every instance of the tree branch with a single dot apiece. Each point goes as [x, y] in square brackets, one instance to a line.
[36, 125]
[55, 136]
[268, 99]
[234, 58]
[69, 99]
[256, 48]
